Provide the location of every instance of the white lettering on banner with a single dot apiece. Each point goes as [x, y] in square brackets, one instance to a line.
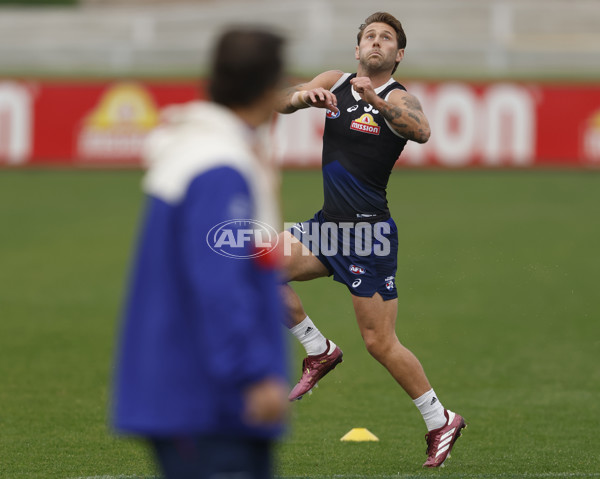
[510, 121]
[591, 139]
[498, 126]
[15, 123]
[454, 121]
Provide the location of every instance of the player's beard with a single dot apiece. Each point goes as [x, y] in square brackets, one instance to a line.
[377, 64]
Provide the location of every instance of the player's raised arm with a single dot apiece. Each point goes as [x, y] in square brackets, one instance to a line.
[402, 110]
[315, 93]
[404, 113]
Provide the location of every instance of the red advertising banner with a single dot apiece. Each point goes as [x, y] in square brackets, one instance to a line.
[507, 124]
[79, 123]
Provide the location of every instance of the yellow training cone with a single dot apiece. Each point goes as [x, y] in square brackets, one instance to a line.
[359, 434]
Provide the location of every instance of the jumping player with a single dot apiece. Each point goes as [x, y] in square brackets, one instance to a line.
[370, 117]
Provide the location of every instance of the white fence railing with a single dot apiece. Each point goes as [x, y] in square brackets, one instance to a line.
[445, 37]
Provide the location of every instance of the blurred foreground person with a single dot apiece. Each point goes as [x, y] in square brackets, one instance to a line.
[201, 370]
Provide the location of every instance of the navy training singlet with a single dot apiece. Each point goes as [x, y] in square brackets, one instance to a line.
[359, 152]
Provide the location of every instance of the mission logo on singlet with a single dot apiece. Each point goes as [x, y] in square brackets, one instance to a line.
[366, 124]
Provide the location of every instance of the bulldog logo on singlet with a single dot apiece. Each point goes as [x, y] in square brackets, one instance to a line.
[366, 124]
[331, 115]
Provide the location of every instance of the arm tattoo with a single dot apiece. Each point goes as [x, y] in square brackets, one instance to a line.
[412, 103]
[285, 105]
[412, 109]
[414, 117]
[289, 92]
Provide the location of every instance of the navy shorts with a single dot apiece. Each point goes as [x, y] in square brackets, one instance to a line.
[363, 256]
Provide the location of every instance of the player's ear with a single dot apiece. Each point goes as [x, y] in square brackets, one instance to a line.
[400, 55]
[356, 55]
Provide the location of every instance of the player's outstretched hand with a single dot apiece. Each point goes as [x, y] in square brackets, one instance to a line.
[321, 98]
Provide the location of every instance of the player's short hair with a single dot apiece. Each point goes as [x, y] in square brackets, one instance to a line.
[246, 62]
[389, 19]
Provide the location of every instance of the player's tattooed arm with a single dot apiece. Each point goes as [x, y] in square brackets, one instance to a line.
[284, 104]
[404, 113]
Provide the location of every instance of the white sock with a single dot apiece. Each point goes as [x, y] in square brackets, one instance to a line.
[431, 409]
[311, 338]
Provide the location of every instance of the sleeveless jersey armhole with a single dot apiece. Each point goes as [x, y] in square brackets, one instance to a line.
[342, 79]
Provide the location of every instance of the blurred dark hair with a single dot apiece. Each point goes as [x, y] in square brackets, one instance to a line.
[389, 19]
[246, 62]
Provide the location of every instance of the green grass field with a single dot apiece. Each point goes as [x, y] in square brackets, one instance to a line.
[499, 275]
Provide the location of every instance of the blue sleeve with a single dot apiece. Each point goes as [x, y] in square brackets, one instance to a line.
[237, 304]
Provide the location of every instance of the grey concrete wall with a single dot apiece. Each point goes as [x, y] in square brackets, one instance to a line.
[445, 37]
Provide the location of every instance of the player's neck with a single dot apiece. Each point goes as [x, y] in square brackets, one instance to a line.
[377, 78]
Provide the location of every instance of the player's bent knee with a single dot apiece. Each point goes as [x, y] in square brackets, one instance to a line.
[377, 345]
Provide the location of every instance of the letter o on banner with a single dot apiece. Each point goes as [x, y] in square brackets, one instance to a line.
[455, 116]
[15, 123]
